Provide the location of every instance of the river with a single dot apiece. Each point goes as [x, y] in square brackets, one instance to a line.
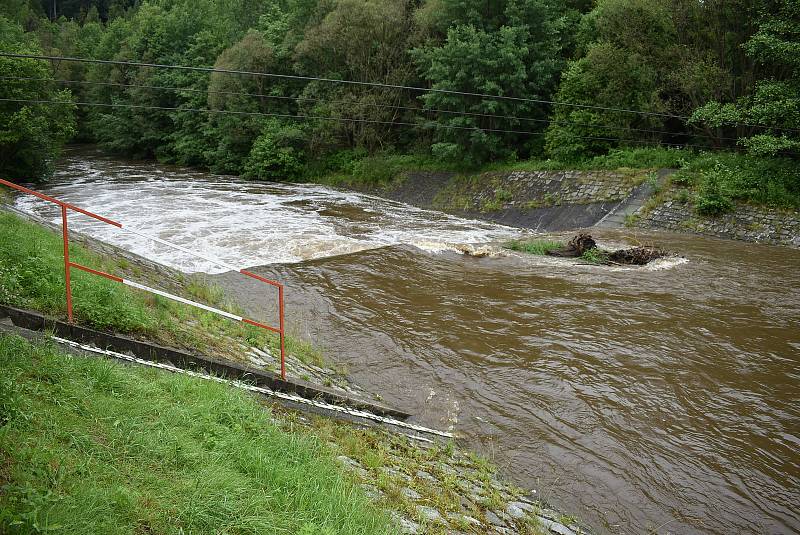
[661, 398]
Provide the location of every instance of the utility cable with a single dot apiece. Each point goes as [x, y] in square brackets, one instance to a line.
[344, 119]
[335, 80]
[336, 102]
[372, 84]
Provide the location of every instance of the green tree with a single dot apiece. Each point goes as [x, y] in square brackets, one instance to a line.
[627, 49]
[509, 49]
[80, 10]
[608, 76]
[365, 41]
[154, 113]
[31, 134]
[277, 153]
[775, 101]
[234, 134]
[708, 62]
[25, 12]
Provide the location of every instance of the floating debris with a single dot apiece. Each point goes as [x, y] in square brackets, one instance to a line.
[584, 246]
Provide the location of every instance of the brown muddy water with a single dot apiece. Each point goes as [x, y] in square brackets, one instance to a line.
[638, 399]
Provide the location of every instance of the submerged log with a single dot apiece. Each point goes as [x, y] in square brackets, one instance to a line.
[634, 256]
[576, 247]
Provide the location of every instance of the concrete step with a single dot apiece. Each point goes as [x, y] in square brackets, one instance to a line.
[616, 217]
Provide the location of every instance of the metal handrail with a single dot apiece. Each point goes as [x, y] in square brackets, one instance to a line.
[68, 264]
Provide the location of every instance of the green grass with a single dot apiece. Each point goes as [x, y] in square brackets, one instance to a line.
[353, 169]
[721, 178]
[32, 276]
[618, 159]
[542, 247]
[91, 446]
[765, 181]
[595, 256]
[535, 247]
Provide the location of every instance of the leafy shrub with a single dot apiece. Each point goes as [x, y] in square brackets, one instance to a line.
[682, 196]
[770, 181]
[275, 154]
[713, 204]
[682, 178]
[712, 201]
[449, 152]
[342, 160]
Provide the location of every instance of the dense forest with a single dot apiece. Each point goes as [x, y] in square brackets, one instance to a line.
[461, 81]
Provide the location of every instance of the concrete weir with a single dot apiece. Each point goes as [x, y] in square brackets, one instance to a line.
[294, 391]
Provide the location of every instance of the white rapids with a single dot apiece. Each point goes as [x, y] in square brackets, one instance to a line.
[239, 222]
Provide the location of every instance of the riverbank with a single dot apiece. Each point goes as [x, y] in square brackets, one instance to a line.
[626, 396]
[422, 487]
[552, 200]
[89, 446]
[390, 482]
[32, 277]
[675, 209]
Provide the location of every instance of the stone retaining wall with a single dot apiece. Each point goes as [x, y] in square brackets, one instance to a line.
[541, 200]
[534, 189]
[552, 188]
[493, 191]
[748, 223]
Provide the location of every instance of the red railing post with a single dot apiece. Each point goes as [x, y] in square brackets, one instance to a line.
[68, 265]
[66, 261]
[283, 350]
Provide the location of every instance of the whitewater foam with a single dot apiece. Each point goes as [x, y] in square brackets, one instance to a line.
[243, 223]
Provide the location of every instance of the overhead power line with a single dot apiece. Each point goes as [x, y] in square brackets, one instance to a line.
[338, 81]
[369, 104]
[342, 119]
[375, 84]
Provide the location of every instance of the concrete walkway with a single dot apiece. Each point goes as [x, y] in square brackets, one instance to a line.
[617, 216]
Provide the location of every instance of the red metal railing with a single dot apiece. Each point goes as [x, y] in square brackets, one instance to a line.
[68, 265]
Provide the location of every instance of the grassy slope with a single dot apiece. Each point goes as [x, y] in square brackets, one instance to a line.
[32, 276]
[81, 453]
[766, 181]
[384, 169]
[76, 438]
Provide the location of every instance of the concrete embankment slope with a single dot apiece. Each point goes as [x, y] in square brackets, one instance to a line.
[623, 213]
[565, 200]
[34, 321]
[540, 200]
